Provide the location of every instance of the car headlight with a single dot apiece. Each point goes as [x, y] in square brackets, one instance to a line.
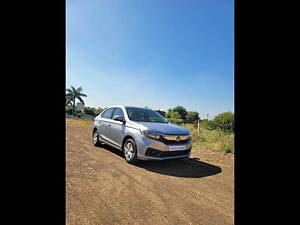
[150, 134]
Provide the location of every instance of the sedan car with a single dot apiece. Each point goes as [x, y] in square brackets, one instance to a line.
[141, 133]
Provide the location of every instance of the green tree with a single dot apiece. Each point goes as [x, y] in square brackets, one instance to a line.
[73, 94]
[191, 117]
[175, 117]
[181, 110]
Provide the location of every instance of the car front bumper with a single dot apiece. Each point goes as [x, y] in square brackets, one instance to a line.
[150, 149]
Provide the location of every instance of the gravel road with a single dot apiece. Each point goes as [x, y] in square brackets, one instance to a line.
[102, 188]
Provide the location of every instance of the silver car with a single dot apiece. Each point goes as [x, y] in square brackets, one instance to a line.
[141, 133]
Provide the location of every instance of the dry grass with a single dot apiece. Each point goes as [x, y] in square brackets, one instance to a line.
[212, 139]
[79, 122]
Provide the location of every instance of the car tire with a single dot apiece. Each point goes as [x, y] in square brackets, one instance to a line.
[96, 141]
[130, 151]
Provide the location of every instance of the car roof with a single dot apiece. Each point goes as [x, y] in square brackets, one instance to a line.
[125, 106]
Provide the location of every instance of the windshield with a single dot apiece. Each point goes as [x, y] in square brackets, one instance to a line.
[144, 115]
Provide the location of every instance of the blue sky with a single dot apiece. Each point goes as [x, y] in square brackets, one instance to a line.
[153, 53]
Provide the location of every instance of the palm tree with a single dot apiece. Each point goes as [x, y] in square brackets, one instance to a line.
[72, 94]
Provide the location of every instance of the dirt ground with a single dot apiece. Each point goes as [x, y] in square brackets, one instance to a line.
[102, 188]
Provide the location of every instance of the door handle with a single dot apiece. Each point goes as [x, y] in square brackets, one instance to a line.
[109, 124]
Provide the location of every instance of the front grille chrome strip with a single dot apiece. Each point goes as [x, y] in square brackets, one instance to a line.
[174, 137]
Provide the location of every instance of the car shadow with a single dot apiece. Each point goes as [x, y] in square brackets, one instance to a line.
[185, 167]
[111, 149]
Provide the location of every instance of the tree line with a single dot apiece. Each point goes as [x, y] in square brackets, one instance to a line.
[176, 115]
[180, 115]
[223, 121]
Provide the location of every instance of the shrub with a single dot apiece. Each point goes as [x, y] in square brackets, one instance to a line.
[92, 111]
[89, 111]
[191, 117]
[175, 117]
[176, 121]
[204, 123]
[223, 121]
[208, 124]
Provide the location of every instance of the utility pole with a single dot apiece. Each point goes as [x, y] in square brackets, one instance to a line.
[198, 126]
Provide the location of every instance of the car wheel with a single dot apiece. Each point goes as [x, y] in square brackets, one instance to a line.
[96, 141]
[130, 151]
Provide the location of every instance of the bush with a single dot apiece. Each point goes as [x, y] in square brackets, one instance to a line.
[92, 111]
[176, 121]
[191, 117]
[175, 117]
[89, 111]
[223, 121]
[208, 124]
[204, 123]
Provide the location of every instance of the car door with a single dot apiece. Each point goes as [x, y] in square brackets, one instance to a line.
[117, 128]
[105, 123]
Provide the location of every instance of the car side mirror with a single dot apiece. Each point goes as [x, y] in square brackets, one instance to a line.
[119, 118]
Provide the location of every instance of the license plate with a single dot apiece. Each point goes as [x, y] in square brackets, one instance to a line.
[177, 147]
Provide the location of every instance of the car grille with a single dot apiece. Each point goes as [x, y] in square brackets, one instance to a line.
[157, 153]
[173, 142]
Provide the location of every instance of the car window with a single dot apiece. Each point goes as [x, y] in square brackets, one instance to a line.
[118, 112]
[108, 113]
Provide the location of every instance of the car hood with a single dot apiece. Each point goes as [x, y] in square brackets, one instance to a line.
[162, 128]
